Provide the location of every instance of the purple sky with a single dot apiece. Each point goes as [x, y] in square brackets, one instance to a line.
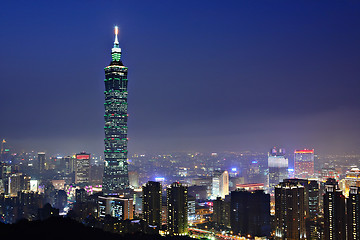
[203, 75]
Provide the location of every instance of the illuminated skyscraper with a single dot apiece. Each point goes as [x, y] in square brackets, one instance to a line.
[304, 163]
[278, 167]
[334, 211]
[82, 170]
[177, 209]
[290, 211]
[116, 167]
[152, 203]
[250, 213]
[4, 152]
[41, 161]
[220, 184]
[120, 208]
[353, 213]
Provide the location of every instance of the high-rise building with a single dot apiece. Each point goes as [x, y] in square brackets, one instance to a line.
[115, 176]
[15, 183]
[152, 203]
[220, 184]
[221, 213]
[120, 208]
[278, 168]
[250, 213]
[334, 211]
[82, 170]
[352, 179]
[304, 163]
[41, 162]
[353, 213]
[177, 209]
[134, 179]
[4, 152]
[290, 211]
[311, 195]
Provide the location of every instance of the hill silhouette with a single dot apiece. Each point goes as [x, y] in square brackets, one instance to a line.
[66, 228]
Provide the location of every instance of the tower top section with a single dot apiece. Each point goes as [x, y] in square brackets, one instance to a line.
[116, 42]
[116, 50]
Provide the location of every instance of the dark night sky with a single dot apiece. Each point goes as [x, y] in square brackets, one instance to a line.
[203, 75]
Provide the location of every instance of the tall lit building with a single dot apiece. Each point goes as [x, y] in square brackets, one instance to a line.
[278, 168]
[82, 170]
[221, 213]
[120, 208]
[304, 163]
[353, 213]
[15, 183]
[41, 162]
[352, 179]
[152, 203]
[4, 152]
[334, 211]
[311, 195]
[290, 211]
[177, 209]
[116, 167]
[220, 184]
[250, 213]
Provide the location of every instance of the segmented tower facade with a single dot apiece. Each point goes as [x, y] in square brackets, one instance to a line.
[116, 167]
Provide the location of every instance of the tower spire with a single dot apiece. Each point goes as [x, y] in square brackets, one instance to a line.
[116, 50]
[116, 42]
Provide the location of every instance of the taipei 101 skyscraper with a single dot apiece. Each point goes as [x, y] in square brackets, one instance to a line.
[116, 167]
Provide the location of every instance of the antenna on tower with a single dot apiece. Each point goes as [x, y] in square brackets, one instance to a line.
[116, 35]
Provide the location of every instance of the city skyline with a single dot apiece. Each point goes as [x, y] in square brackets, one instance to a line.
[285, 76]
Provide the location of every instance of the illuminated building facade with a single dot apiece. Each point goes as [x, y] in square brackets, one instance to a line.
[120, 208]
[177, 209]
[220, 184]
[304, 163]
[4, 152]
[353, 214]
[352, 179]
[290, 211]
[152, 203]
[41, 162]
[250, 213]
[334, 212]
[221, 213]
[115, 176]
[278, 168]
[82, 170]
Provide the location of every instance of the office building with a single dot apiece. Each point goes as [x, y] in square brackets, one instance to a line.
[221, 213]
[115, 176]
[134, 179]
[152, 203]
[278, 168]
[120, 208]
[220, 184]
[334, 211]
[290, 211]
[311, 195]
[15, 184]
[304, 163]
[353, 214]
[82, 170]
[191, 208]
[177, 209]
[41, 162]
[352, 179]
[250, 213]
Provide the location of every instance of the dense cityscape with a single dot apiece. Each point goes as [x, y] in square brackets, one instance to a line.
[278, 195]
[213, 190]
[274, 193]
